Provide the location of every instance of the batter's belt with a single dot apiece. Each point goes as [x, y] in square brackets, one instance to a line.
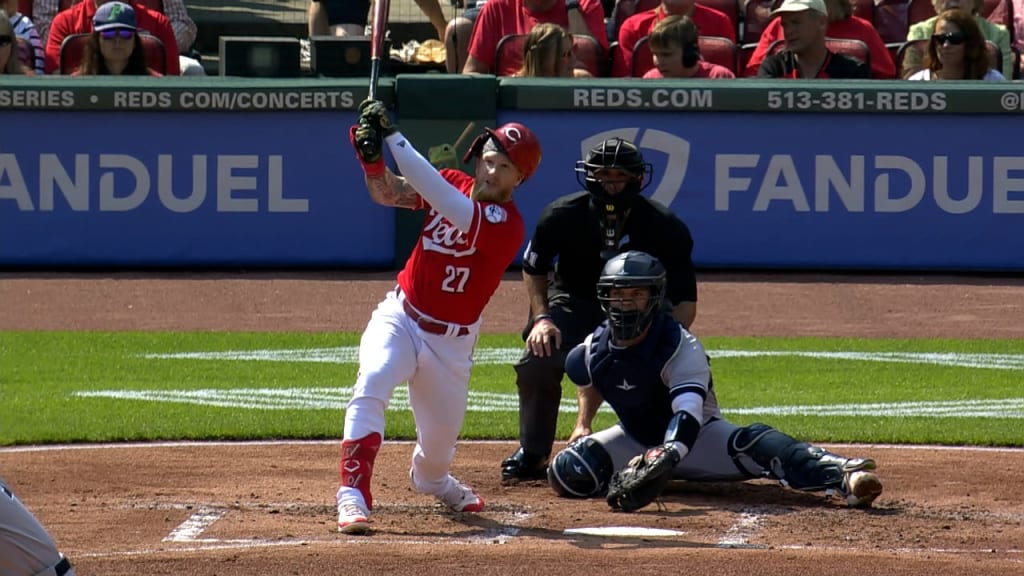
[433, 326]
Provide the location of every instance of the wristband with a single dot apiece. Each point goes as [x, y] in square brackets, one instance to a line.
[572, 5]
[540, 317]
[373, 169]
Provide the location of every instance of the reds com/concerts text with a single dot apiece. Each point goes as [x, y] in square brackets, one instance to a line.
[641, 98]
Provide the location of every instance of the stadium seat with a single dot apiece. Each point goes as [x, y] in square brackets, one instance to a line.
[509, 53]
[713, 49]
[72, 48]
[891, 20]
[719, 50]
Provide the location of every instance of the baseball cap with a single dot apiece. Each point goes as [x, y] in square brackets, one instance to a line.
[114, 15]
[801, 6]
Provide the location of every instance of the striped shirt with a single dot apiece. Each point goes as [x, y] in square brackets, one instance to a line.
[23, 28]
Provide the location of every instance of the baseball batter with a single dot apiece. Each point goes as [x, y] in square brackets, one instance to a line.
[655, 376]
[425, 330]
[25, 547]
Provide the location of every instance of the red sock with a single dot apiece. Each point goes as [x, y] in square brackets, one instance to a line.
[357, 458]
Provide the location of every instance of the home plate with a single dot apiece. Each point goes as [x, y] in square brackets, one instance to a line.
[628, 531]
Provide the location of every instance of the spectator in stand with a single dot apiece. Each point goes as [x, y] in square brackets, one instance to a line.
[804, 23]
[996, 33]
[9, 61]
[957, 51]
[499, 18]
[547, 53]
[1018, 32]
[338, 17]
[114, 49]
[676, 51]
[841, 24]
[709, 21]
[185, 37]
[78, 20]
[26, 30]
[43, 12]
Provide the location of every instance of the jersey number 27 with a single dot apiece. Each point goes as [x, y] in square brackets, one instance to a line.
[455, 278]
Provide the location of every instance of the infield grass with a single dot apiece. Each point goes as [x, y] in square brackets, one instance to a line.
[113, 386]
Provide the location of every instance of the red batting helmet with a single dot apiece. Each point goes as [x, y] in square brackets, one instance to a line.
[515, 141]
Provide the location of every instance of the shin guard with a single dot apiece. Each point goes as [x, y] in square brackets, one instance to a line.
[357, 458]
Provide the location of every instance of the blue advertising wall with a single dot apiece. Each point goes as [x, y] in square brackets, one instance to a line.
[812, 191]
[267, 189]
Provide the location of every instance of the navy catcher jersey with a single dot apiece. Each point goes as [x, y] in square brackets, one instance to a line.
[639, 382]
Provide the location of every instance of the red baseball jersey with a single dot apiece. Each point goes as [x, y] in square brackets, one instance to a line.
[451, 275]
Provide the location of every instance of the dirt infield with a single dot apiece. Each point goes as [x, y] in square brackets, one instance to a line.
[267, 508]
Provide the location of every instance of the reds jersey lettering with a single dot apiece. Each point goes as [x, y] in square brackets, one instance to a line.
[439, 235]
[452, 274]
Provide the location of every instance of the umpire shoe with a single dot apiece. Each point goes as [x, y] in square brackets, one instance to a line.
[860, 485]
[524, 465]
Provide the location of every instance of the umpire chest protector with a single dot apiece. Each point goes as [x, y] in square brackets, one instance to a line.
[630, 379]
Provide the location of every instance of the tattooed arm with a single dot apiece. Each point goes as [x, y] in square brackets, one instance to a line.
[393, 190]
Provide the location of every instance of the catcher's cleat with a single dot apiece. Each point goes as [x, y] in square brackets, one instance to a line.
[860, 486]
[352, 519]
[461, 498]
[524, 465]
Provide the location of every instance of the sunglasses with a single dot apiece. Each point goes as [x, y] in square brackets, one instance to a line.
[122, 33]
[953, 38]
[5, 40]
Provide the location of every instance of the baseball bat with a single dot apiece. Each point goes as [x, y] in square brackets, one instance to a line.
[377, 33]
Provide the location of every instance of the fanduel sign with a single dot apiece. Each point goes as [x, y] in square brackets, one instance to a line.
[122, 183]
[812, 190]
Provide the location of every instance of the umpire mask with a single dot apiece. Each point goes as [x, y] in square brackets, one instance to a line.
[614, 153]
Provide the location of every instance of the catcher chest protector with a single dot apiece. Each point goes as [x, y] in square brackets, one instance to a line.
[798, 465]
[581, 470]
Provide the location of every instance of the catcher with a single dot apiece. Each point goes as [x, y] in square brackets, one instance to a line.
[656, 377]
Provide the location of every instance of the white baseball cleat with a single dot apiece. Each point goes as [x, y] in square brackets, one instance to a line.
[461, 498]
[352, 518]
[860, 485]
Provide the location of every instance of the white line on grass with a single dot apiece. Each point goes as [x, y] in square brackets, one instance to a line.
[350, 355]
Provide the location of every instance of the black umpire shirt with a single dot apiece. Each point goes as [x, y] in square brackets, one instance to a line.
[568, 239]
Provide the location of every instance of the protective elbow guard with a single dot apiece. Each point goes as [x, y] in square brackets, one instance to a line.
[683, 428]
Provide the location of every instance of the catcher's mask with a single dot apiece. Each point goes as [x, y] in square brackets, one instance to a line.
[581, 470]
[614, 153]
[631, 269]
[514, 140]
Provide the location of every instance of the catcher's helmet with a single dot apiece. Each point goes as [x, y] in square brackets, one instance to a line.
[514, 140]
[633, 269]
[621, 155]
[581, 470]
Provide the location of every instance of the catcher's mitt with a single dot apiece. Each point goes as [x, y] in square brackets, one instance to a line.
[643, 479]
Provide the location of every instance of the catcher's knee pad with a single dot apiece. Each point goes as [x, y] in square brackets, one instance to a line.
[581, 470]
[797, 464]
